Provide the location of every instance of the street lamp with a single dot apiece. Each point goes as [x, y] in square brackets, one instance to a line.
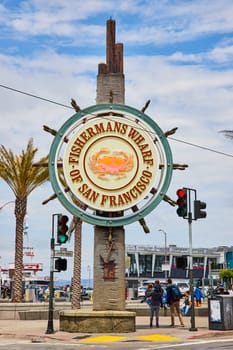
[165, 249]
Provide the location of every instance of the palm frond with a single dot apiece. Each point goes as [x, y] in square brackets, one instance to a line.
[18, 171]
[227, 133]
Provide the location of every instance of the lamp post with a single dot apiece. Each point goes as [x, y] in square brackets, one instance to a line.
[165, 249]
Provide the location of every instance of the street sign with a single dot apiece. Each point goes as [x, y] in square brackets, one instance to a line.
[63, 252]
[165, 267]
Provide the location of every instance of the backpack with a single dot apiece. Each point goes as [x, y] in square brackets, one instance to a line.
[176, 295]
[148, 300]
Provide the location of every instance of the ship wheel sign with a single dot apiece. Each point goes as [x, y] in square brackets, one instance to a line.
[110, 165]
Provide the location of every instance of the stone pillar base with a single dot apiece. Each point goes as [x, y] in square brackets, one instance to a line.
[85, 321]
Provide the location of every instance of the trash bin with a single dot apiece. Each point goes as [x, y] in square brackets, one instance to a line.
[220, 312]
[30, 295]
[27, 296]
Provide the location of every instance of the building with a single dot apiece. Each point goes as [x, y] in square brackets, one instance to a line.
[152, 262]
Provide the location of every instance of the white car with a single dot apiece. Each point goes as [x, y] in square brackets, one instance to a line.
[141, 292]
[183, 287]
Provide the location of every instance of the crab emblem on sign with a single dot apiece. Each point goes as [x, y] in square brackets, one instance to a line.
[105, 162]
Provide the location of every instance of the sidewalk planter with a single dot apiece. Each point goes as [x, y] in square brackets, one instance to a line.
[221, 312]
[83, 321]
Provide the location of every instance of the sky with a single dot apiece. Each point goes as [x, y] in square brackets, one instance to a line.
[177, 53]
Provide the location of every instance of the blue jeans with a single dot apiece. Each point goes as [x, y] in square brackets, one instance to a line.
[185, 309]
[154, 310]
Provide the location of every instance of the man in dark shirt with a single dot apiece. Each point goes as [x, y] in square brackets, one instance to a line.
[174, 303]
[156, 299]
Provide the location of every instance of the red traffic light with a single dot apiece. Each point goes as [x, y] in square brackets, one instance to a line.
[181, 193]
[182, 202]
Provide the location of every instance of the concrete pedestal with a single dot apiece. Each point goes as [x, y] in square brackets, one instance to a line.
[84, 321]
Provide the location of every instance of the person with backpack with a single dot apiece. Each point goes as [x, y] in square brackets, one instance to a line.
[156, 299]
[173, 300]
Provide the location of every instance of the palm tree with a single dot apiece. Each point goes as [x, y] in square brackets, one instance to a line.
[18, 172]
[76, 296]
[228, 133]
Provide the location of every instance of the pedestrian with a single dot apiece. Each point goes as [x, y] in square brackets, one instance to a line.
[186, 306]
[156, 300]
[147, 296]
[219, 288]
[41, 294]
[210, 291]
[225, 291]
[198, 295]
[173, 300]
[230, 290]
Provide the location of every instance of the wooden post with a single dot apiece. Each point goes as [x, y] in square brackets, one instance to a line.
[109, 264]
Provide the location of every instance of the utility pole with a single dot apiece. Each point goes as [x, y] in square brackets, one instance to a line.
[192, 328]
[50, 329]
[185, 210]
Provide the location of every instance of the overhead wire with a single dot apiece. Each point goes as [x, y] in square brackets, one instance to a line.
[67, 106]
[201, 147]
[35, 96]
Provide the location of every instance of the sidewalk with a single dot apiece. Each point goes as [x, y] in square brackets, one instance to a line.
[35, 331]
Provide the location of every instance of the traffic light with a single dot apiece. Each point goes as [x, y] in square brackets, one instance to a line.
[62, 229]
[199, 213]
[60, 264]
[182, 202]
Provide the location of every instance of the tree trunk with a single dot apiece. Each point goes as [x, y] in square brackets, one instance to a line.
[77, 264]
[20, 212]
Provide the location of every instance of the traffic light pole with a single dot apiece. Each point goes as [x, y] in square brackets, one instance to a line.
[185, 210]
[50, 329]
[192, 328]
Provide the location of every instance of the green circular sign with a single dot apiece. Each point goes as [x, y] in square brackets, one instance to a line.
[110, 165]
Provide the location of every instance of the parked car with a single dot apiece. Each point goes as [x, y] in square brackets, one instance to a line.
[183, 287]
[141, 292]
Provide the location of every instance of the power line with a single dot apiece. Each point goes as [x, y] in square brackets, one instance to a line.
[67, 106]
[35, 96]
[202, 147]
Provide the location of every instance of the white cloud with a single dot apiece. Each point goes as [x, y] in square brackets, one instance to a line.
[192, 91]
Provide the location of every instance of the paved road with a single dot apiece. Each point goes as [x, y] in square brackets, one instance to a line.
[214, 344]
